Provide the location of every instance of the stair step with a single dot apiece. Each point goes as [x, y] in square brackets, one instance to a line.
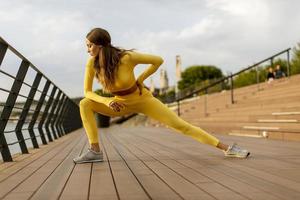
[260, 128]
[286, 113]
[247, 135]
[278, 120]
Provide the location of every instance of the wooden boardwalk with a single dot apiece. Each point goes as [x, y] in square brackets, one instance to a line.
[153, 163]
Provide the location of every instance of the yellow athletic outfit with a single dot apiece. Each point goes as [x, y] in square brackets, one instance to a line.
[134, 102]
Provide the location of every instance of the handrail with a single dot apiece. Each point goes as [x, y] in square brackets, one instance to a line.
[230, 77]
[56, 116]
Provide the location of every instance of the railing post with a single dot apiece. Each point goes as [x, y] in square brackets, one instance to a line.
[57, 116]
[50, 116]
[288, 62]
[231, 88]
[178, 108]
[271, 60]
[205, 102]
[37, 112]
[257, 77]
[25, 113]
[65, 120]
[3, 49]
[62, 115]
[45, 114]
[10, 102]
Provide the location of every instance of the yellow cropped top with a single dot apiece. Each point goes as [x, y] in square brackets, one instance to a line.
[125, 74]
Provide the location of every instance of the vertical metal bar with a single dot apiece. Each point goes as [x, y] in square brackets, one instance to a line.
[271, 60]
[178, 108]
[257, 77]
[65, 118]
[61, 117]
[37, 112]
[10, 102]
[231, 88]
[45, 114]
[3, 49]
[57, 116]
[288, 62]
[51, 115]
[25, 113]
[205, 102]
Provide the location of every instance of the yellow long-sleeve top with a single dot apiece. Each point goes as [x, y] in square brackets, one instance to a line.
[124, 76]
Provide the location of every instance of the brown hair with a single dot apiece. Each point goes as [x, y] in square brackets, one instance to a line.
[107, 62]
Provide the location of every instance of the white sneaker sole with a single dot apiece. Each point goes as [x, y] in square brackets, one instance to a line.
[87, 161]
[237, 156]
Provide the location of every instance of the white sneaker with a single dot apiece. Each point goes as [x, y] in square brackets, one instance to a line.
[236, 151]
[89, 157]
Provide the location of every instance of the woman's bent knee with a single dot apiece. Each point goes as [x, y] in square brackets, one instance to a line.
[84, 102]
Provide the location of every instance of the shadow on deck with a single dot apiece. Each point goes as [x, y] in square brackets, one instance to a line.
[153, 163]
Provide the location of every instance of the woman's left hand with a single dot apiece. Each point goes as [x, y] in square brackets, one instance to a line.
[116, 106]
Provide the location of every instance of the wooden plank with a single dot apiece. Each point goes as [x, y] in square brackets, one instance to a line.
[24, 160]
[21, 175]
[181, 185]
[102, 186]
[193, 176]
[155, 187]
[245, 188]
[102, 182]
[77, 186]
[276, 178]
[34, 181]
[127, 185]
[54, 184]
[18, 157]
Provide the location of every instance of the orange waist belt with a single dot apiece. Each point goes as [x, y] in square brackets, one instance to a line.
[125, 92]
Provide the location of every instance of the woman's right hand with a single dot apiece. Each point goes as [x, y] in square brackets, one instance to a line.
[140, 86]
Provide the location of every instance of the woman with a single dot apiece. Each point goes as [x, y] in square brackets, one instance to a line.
[114, 69]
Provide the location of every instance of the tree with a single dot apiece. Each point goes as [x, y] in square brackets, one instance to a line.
[295, 62]
[195, 75]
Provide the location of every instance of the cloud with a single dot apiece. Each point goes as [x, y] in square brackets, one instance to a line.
[230, 34]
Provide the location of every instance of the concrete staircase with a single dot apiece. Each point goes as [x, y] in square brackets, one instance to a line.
[263, 110]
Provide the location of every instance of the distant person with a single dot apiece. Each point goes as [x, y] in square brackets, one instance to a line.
[114, 67]
[278, 72]
[270, 75]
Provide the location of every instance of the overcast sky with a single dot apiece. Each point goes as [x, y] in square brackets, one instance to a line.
[230, 34]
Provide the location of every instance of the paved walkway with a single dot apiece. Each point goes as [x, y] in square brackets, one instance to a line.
[153, 163]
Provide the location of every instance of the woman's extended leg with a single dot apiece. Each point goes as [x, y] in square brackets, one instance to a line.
[157, 110]
[152, 107]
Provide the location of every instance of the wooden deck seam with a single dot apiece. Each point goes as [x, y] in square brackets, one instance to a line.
[18, 157]
[30, 162]
[62, 161]
[167, 167]
[35, 170]
[71, 172]
[216, 170]
[189, 156]
[130, 169]
[179, 173]
[109, 164]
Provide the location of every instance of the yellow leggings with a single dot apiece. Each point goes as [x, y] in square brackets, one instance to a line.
[146, 104]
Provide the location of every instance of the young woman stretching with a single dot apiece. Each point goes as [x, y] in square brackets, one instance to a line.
[114, 69]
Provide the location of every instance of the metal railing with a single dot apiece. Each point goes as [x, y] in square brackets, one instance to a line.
[52, 115]
[229, 81]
